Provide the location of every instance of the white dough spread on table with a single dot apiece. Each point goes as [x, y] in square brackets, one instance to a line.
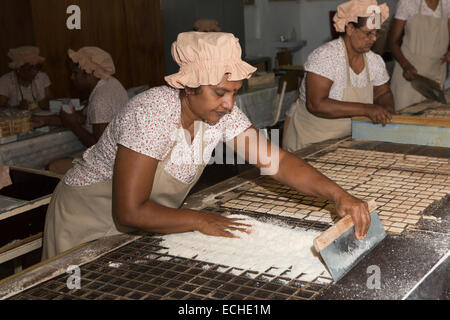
[267, 246]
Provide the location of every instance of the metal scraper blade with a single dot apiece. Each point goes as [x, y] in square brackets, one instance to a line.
[346, 251]
[429, 89]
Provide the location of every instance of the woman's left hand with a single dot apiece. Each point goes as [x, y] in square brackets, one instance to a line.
[446, 58]
[378, 114]
[69, 120]
[359, 211]
[24, 104]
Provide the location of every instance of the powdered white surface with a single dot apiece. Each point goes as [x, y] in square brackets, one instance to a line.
[267, 246]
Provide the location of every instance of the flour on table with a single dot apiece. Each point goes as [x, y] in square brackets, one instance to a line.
[115, 265]
[268, 246]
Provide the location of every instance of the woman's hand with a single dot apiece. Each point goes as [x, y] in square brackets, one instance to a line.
[378, 114]
[359, 211]
[446, 58]
[409, 72]
[24, 104]
[213, 224]
[69, 120]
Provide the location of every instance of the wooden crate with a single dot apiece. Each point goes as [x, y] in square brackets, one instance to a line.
[5, 129]
[14, 123]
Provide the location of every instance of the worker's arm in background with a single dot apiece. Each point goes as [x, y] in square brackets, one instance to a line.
[318, 103]
[52, 120]
[294, 172]
[40, 121]
[131, 205]
[5, 177]
[44, 104]
[395, 39]
[98, 129]
[75, 120]
[382, 96]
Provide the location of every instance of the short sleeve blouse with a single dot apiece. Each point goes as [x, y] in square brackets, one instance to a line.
[149, 125]
[406, 9]
[9, 87]
[329, 61]
[105, 101]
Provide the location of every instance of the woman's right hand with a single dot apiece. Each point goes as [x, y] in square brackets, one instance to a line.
[24, 104]
[218, 225]
[409, 72]
[378, 114]
[347, 204]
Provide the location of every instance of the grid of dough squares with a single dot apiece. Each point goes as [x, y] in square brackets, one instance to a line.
[385, 160]
[402, 185]
[137, 271]
[441, 112]
[433, 109]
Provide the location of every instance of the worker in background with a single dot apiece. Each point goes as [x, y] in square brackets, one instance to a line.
[344, 78]
[26, 86]
[139, 173]
[424, 48]
[92, 71]
[5, 177]
[206, 25]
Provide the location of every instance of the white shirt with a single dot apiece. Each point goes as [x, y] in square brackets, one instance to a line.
[10, 88]
[406, 9]
[329, 61]
[105, 101]
[148, 125]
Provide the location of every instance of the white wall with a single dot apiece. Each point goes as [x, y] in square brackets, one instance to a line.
[266, 21]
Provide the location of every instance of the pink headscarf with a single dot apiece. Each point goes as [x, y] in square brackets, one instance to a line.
[24, 55]
[205, 57]
[94, 61]
[350, 11]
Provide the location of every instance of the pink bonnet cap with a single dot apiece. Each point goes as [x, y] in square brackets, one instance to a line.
[205, 57]
[94, 61]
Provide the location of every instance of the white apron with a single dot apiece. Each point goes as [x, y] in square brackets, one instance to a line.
[306, 128]
[424, 43]
[78, 215]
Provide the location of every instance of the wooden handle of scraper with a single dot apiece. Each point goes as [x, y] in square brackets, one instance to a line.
[334, 232]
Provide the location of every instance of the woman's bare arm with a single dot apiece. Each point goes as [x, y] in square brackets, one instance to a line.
[318, 103]
[294, 172]
[132, 185]
[395, 39]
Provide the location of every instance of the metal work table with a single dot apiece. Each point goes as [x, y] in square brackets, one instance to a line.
[130, 266]
[424, 123]
[38, 148]
[22, 214]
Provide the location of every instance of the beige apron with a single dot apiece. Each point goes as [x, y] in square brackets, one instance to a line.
[424, 43]
[305, 128]
[78, 215]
